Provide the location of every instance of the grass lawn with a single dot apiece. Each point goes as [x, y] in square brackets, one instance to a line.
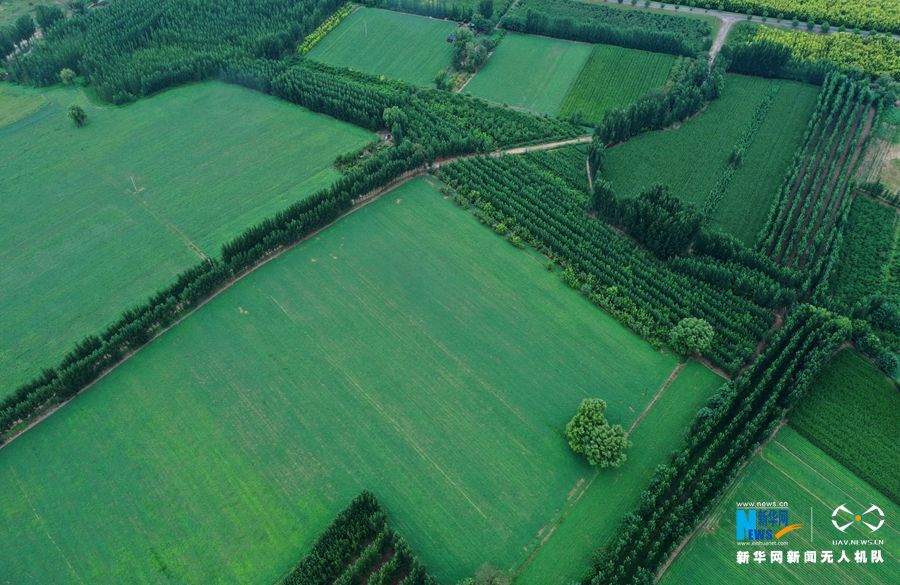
[393, 44]
[530, 72]
[78, 246]
[595, 517]
[791, 469]
[18, 102]
[692, 157]
[440, 380]
[853, 413]
[614, 77]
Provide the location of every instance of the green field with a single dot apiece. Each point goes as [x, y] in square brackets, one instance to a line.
[392, 44]
[594, 518]
[853, 413]
[78, 246]
[691, 157]
[792, 469]
[18, 102]
[441, 380]
[866, 250]
[745, 206]
[530, 72]
[614, 77]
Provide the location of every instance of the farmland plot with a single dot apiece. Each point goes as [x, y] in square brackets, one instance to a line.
[853, 413]
[530, 72]
[17, 103]
[112, 211]
[614, 77]
[393, 44]
[691, 158]
[441, 381]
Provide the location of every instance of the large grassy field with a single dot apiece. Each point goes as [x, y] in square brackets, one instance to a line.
[853, 413]
[18, 102]
[595, 516]
[614, 77]
[791, 469]
[406, 350]
[692, 157]
[78, 245]
[393, 44]
[530, 72]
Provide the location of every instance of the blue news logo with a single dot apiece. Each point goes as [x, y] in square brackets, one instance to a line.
[763, 524]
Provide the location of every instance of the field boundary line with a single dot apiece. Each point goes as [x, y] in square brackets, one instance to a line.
[672, 375]
[573, 500]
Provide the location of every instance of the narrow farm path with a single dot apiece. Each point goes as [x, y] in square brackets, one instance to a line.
[545, 146]
[721, 36]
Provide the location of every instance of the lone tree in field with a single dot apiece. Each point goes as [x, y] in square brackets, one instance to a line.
[591, 435]
[67, 76]
[691, 336]
[78, 115]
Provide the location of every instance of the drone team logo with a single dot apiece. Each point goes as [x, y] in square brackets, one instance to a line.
[841, 514]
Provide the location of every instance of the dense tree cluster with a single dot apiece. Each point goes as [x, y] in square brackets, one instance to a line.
[595, 23]
[10, 36]
[690, 86]
[641, 291]
[721, 438]
[132, 48]
[691, 336]
[359, 547]
[591, 435]
[663, 223]
[775, 52]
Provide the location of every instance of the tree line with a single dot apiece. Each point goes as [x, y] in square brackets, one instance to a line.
[353, 549]
[594, 23]
[132, 48]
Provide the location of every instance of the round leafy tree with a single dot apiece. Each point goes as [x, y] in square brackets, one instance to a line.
[591, 435]
[691, 336]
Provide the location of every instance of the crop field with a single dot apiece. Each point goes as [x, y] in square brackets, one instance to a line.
[393, 44]
[849, 396]
[17, 103]
[793, 470]
[866, 251]
[614, 77]
[98, 242]
[439, 380]
[746, 203]
[530, 72]
[594, 516]
[691, 158]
